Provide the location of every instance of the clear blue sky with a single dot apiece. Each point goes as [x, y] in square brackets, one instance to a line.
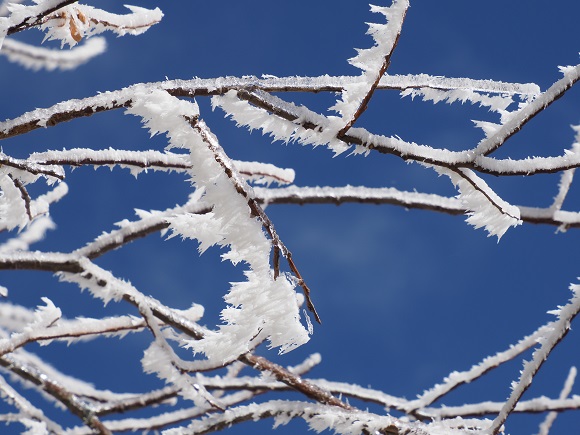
[406, 296]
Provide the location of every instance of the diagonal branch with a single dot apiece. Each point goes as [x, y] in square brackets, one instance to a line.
[558, 330]
[520, 118]
[242, 188]
[72, 402]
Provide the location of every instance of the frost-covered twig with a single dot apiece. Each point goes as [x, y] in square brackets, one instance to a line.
[137, 161]
[73, 23]
[37, 58]
[557, 331]
[318, 417]
[23, 17]
[30, 416]
[484, 207]
[71, 401]
[537, 405]
[150, 222]
[457, 379]
[23, 194]
[520, 118]
[71, 331]
[72, 109]
[374, 63]
[32, 167]
[551, 417]
[256, 210]
[566, 177]
[389, 195]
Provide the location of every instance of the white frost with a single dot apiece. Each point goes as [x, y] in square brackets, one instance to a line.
[261, 306]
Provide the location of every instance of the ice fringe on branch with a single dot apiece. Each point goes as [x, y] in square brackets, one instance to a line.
[556, 332]
[373, 62]
[484, 207]
[262, 306]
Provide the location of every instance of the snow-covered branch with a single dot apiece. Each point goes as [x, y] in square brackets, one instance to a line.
[38, 58]
[211, 377]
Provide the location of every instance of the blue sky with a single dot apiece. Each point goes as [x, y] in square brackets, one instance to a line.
[406, 296]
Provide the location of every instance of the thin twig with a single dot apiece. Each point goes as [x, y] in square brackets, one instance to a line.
[380, 73]
[72, 402]
[566, 389]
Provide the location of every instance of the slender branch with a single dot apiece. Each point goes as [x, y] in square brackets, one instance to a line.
[31, 167]
[559, 329]
[73, 109]
[72, 402]
[551, 417]
[140, 401]
[519, 119]
[456, 379]
[366, 422]
[70, 330]
[293, 381]
[406, 199]
[26, 408]
[364, 102]
[538, 405]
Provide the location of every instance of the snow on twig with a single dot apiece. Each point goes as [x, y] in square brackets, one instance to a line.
[318, 417]
[30, 416]
[110, 100]
[519, 118]
[274, 311]
[456, 379]
[484, 207]
[73, 23]
[557, 330]
[374, 63]
[37, 58]
[551, 417]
